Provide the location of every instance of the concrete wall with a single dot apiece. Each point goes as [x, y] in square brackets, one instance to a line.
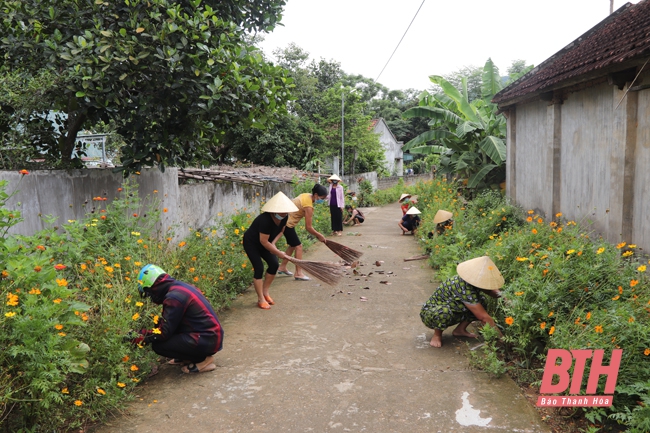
[586, 157]
[69, 195]
[388, 182]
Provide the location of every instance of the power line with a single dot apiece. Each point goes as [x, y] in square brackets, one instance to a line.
[400, 41]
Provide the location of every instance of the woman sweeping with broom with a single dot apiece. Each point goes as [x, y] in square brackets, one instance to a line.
[259, 244]
[305, 204]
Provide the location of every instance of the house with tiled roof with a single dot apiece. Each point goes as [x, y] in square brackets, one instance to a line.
[578, 138]
[392, 148]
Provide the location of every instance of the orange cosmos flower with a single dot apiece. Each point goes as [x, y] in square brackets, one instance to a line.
[510, 321]
[598, 329]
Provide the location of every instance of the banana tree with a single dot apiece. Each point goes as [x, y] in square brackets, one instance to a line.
[468, 136]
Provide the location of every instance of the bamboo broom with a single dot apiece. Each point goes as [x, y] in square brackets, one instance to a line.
[344, 252]
[328, 272]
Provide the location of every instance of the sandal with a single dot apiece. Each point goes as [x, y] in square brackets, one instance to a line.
[192, 368]
[269, 300]
[263, 305]
[289, 273]
[302, 278]
[177, 361]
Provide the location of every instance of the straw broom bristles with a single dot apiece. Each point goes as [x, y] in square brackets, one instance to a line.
[328, 272]
[344, 252]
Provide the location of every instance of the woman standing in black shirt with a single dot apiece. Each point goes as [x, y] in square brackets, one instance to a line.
[259, 244]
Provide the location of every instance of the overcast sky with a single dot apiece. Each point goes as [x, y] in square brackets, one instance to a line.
[445, 36]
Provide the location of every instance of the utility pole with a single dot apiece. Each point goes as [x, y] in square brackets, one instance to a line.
[611, 7]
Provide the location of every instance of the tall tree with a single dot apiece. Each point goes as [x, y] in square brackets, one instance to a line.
[469, 136]
[173, 76]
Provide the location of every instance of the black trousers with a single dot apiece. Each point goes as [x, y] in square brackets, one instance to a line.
[337, 218]
[181, 346]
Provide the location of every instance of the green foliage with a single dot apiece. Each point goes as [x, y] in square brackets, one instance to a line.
[70, 297]
[486, 357]
[174, 76]
[564, 288]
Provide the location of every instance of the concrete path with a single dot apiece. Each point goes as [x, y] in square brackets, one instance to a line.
[325, 360]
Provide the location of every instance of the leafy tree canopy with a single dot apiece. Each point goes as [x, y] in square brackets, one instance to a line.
[173, 76]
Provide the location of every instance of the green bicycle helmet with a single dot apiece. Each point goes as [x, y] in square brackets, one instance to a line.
[148, 276]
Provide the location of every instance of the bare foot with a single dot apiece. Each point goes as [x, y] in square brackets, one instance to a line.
[456, 333]
[436, 341]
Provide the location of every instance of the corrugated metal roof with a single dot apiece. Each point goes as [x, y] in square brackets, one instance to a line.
[621, 37]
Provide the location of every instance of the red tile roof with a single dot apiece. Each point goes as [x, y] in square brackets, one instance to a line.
[620, 41]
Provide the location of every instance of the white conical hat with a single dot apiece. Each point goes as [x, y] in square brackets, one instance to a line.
[413, 211]
[403, 196]
[481, 272]
[280, 203]
[334, 177]
[442, 216]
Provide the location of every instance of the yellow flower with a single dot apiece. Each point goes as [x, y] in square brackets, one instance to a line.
[243, 265]
[534, 231]
[598, 329]
[136, 380]
[137, 263]
[558, 215]
[551, 331]
[62, 282]
[182, 244]
[78, 402]
[135, 233]
[510, 321]
[236, 231]
[627, 254]
[136, 316]
[140, 241]
[57, 300]
[155, 319]
[530, 212]
[641, 268]
[634, 283]
[630, 320]
[529, 219]
[621, 245]
[121, 385]
[156, 331]
[522, 259]
[550, 314]
[600, 250]
[542, 325]
[10, 314]
[108, 269]
[616, 298]
[83, 267]
[62, 334]
[65, 391]
[195, 279]
[571, 251]
[632, 246]
[139, 304]
[101, 391]
[58, 327]
[134, 368]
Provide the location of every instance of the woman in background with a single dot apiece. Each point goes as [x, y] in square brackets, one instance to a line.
[336, 200]
[355, 216]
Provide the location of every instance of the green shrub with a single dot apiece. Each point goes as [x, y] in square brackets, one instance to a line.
[565, 288]
[70, 297]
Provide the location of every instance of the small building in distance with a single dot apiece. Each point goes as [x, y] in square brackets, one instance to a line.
[392, 148]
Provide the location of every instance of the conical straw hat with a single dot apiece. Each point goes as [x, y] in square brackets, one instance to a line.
[442, 216]
[334, 177]
[413, 211]
[403, 196]
[481, 272]
[280, 203]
